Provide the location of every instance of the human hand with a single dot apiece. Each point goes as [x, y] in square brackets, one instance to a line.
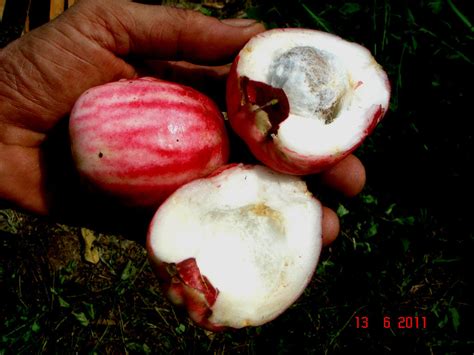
[43, 73]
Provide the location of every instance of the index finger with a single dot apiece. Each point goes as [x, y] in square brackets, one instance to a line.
[179, 34]
[163, 32]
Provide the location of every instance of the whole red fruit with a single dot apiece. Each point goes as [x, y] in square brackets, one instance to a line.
[139, 140]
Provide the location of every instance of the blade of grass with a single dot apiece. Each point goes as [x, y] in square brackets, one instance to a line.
[447, 45]
[96, 346]
[386, 22]
[346, 324]
[374, 25]
[122, 331]
[461, 16]
[316, 18]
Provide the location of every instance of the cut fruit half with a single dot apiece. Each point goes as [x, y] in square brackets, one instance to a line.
[302, 100]
[236, 248]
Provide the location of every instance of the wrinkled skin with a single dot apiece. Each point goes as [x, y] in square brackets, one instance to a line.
[44, 72]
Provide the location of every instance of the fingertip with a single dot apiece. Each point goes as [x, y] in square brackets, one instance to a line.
[348, 176]
[330, 226]
[254, 30]
[240, 22]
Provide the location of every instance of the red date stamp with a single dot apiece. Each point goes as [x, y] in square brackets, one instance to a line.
[388, 322]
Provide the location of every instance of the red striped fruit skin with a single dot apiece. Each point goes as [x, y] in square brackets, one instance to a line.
[139, 140]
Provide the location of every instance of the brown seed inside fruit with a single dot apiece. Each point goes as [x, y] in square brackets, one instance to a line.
[311, 80]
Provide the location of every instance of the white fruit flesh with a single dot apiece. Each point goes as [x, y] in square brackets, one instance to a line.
[334, 87]
[255, 234]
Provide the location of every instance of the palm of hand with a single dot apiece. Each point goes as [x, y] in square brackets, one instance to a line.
[43, 73]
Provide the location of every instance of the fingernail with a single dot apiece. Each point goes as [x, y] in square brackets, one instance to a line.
[239, 22]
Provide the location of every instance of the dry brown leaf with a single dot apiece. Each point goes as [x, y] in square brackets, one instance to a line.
[56, 8]
[2, 8]
[91, 253]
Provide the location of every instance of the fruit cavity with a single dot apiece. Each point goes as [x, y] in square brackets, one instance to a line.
[312, 80]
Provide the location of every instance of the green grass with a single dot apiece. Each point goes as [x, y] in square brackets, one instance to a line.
[405, 245]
